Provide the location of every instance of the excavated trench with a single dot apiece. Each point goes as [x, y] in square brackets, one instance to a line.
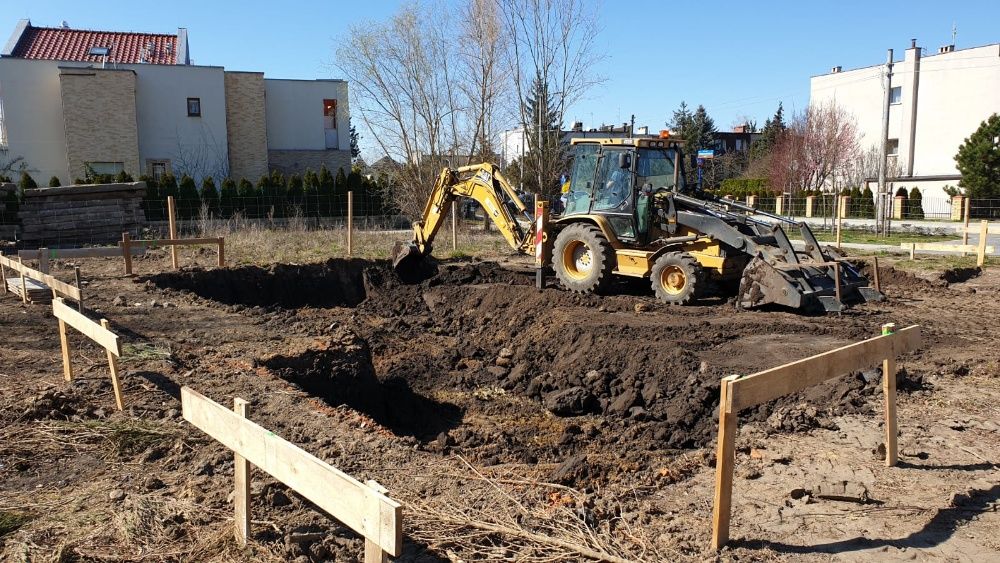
[469, 356]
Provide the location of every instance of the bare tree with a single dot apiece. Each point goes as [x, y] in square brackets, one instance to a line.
[552, 41]
[817, 150]
[484, 86]
[206, 157]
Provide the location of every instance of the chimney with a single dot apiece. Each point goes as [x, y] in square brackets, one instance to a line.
[836, 69]
[577, 126]
[913, 43]
[946, 49]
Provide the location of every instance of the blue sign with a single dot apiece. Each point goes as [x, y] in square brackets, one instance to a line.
[706, 153]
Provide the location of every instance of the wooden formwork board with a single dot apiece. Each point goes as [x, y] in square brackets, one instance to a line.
[363, 508]
[60, 287]
[37, 292]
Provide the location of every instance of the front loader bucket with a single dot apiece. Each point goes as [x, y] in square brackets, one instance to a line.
[810, 288]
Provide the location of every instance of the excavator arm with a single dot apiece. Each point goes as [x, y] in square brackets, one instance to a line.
[481, 182]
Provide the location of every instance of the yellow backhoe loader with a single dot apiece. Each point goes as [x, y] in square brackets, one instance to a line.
[629, 213]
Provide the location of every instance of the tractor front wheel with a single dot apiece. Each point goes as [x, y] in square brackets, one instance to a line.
[583, 259]
[677, 278]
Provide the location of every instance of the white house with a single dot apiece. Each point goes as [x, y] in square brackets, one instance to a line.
[936, 101]
[77, 100]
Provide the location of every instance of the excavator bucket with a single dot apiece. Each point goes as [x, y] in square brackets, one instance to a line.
[406, 256]
[810, 288]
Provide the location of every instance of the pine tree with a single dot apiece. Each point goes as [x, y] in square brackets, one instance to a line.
[697, 131]
[54, 182]
[326, 187]
[210, 195]
[340, 193]
[26, 182]
[310, 193]
[978, 160]
[227, 197]
[188, 201]
[263, 190]
[277, 195]
[915, 204]
[247, 201]
[152, 204]
[355, 150]
[868, 203]
[544, 125]
[773, 128]
[168, 188]
[355, 184]
[295, 191]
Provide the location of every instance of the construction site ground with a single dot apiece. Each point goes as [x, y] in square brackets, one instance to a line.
[512, 423]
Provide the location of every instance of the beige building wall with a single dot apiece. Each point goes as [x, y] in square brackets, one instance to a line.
[246, 123]
[99, 118]
[298, 161]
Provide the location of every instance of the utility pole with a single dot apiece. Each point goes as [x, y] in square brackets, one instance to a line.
[883, 207]
[538, 109]
[631, 127]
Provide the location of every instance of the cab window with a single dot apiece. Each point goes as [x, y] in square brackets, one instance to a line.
[581, 179]
[614, 184]
[656, 167]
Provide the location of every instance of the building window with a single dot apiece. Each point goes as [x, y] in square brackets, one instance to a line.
[329, 114]
[194, 107]
[892, 147]
[896, 95]
[158, 168]
[104, 168]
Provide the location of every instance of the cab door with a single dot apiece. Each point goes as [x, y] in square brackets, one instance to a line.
[614, 197]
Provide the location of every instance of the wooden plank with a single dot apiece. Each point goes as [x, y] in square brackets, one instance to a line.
[889, 392]
[172, 223]
[941, 247]
[64, 343]
[725, 460]
[113, 368]
[79, 286]
[454, 225]
[155, 243]
[222, 252]
[981, 248]
[3, 275]
[770, 384]
[65, 289]
[89, 328]
[374, 553]
[241, 498]
[342, 496]
[75, 253]
[24, 281]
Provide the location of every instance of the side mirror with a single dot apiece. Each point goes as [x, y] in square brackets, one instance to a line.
[624, 160]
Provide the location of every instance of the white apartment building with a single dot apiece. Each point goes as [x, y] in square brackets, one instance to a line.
[936, 101]
[75, 100]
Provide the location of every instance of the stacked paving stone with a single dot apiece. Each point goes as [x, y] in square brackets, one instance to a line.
[77, 215]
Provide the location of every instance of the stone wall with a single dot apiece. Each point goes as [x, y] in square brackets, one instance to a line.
[246, 123]
[99, 118]
[75, 215]
[296, 162]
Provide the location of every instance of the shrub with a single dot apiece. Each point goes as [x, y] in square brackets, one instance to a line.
[210, 195]
[247, 195]
[152, 203]
[227, 197]
[54, 182]
[915, 204]
[295, 190]
[26, 182]
[123, 177]
[867, 207]
[188, 201]
[310, 193]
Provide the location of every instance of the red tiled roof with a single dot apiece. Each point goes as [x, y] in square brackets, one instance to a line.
[61, 44]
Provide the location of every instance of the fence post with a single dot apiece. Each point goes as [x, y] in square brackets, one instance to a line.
[725, 459]
[878, 286]
[981, 249]
[24, 286]
[222, 252]
[840, 218]
[172, 222]
[127, 252]
[64, 345]
[241, 471]
[454, 225]
[43, 260]
[76, 274]
[3, 276]
[965, 219]
[809, 205]
[350, 222]
[889, 390]
[113, 368]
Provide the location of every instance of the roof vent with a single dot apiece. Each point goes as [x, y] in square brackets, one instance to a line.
[946, 49]
[65, 24]
[836, 69]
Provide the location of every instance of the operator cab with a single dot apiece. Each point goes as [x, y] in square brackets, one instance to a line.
[616, 179]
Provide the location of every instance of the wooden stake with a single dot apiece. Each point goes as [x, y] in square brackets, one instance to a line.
[127, 252]
[984, 230]
[454, 225]
[241, 497]
[913, 251]
[113, 367]
[222, 252]
[24, 282]
[836, 279]
[172, 218]
[3, 276]
[878, 286]
[840, 218]
[64, 341]
[79, 302]
[725, 459]
[350, 222]
[43, 260]
[889, 392]
[373, 552]
[965, 221]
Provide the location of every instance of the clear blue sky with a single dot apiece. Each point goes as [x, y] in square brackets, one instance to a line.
[737, 58]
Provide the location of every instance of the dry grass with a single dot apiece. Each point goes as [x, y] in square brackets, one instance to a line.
[292, 241]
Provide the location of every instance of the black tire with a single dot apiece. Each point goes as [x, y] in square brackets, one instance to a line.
[583, 259]
[677, 278]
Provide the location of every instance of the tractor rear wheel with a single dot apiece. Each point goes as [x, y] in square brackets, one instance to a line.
[583, 259]
[677, 278]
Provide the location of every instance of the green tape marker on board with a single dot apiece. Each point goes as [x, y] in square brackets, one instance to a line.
[888, 328]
